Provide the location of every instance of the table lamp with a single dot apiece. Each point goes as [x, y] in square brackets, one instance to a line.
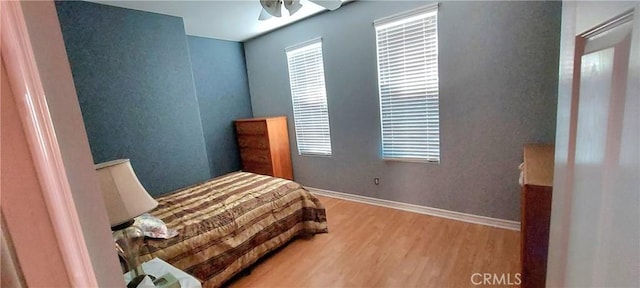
[125, 199]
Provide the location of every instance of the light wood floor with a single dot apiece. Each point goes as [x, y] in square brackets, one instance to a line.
[371, 246]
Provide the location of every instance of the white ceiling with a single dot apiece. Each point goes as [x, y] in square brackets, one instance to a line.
[233, 20]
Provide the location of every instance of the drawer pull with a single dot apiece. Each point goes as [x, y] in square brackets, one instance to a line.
[253, 142]
[255, 155]
[255, 128]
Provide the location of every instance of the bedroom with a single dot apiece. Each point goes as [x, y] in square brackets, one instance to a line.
[151, 93]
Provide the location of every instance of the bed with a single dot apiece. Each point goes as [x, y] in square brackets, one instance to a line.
[226, 224]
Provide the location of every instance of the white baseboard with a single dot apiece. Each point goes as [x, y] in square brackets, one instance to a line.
[459, 216]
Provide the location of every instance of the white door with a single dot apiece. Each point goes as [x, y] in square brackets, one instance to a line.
[595, 223]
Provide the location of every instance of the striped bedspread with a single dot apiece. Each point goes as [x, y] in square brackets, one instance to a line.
[229, 222]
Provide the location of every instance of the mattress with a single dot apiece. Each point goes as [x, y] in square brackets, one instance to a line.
[228, 223]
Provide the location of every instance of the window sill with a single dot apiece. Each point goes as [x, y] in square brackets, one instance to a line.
[315, 155]
[411, 160]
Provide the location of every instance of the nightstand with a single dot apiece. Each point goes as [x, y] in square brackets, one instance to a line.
[157, 267]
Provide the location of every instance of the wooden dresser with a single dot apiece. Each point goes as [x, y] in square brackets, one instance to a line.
[536, 213]
[264, 146]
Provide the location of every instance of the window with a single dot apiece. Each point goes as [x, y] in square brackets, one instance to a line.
[309, 97]
[407, 47]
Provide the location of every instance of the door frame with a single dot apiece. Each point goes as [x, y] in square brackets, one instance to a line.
[573, 43]
[23, 74]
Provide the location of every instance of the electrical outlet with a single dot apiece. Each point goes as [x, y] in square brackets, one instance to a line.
[376, 181]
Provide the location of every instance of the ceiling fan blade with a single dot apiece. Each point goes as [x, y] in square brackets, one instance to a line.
[264, 15]
[292, 5]
[329, 4]
[272, 7]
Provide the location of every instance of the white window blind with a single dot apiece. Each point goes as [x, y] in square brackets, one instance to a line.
[309, 97]
[407, 46]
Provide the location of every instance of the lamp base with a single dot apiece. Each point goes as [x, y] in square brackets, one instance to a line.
[123, 226]
[128, 240]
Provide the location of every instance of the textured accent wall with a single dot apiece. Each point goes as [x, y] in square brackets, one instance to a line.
[136, 91]
[498, 86]
[220, 76]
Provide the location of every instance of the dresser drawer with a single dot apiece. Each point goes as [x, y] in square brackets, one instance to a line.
[251, 141]
[264, 169]
[264, 146]
[255, 155]
[251, 128]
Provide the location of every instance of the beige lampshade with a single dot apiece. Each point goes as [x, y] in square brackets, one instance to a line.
[123, 194]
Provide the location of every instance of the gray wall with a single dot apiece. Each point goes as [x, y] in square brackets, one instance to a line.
[133, 77]
[498, 84]
[220, 76]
